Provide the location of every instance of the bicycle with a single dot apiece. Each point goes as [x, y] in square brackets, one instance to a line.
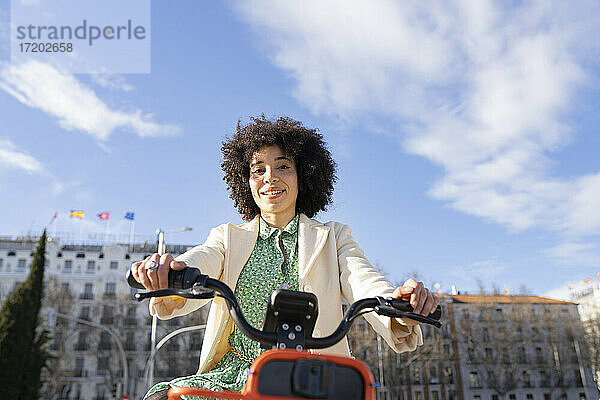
[289, 370]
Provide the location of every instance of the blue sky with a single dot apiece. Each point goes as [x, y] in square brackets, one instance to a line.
[465, 133]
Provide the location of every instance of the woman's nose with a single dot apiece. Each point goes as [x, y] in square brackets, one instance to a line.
[270, 176]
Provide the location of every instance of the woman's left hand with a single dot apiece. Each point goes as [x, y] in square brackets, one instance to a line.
[421, 299]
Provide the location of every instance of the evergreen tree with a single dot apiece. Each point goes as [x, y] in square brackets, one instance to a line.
[22, 352]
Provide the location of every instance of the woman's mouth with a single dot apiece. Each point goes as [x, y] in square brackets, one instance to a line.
[273, 193]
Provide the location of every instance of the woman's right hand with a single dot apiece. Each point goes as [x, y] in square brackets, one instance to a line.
[153, 272]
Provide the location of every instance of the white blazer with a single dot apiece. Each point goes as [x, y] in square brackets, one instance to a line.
[330, 264]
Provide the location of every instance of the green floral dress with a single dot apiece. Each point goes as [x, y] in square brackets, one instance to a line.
[272, 265]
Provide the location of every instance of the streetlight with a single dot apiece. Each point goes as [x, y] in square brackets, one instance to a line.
[162, 342]
[52, 315]
[161, 250]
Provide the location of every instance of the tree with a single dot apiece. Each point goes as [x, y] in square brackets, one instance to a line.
[22, 344]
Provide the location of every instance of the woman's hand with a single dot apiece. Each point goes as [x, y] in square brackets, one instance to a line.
[421, 299]
[153, 272]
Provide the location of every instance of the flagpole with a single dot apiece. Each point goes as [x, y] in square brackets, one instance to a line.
[106, 229]
[80, 230]
[131, 230]
[55, 226]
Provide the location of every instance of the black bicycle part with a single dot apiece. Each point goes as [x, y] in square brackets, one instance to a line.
[378, 304]
[292, 316]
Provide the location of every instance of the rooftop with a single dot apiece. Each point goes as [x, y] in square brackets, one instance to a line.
[504, 299]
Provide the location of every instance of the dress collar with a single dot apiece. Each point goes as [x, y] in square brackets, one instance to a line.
[265, 231]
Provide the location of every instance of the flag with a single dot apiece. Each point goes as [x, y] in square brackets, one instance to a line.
[129, 215]
[53, 218]
[76, 214]
[104, 216]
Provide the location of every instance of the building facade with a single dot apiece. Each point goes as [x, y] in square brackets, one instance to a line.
[87, 307]
[489, 348]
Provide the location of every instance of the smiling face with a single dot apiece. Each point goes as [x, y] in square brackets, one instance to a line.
[274, 182]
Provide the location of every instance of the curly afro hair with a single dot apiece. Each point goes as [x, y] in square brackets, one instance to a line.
[316, 168]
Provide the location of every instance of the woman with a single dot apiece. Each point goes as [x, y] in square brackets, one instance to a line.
[279, 174]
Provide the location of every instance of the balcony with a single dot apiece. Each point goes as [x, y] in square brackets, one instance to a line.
[87, 296]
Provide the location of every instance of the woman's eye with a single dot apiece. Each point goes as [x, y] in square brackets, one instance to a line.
[284, 167]
[258, 171]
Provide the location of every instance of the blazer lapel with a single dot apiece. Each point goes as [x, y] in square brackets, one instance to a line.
[312, 236]
[240, 244]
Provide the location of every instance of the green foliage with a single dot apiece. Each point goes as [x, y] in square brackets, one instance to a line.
[22, 351]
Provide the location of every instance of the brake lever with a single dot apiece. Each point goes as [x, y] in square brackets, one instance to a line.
[197, 292]
[393, 313]
[390, 308]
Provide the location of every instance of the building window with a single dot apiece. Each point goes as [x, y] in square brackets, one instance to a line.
[547, 396]
[512, 396]
[522, 358]
[68, 267]
[110, 289]
[474, 379]
[107, 315]
[88, 293]
[494, 397]
[449, 375]
[11, 254]
[102, 366]
[21, 264]
[470, 354]
[79, 363]
[451, 394]
[1, 264]
[476, 397]
[81, 344]
[131, 319]
[581, 396]
[526, 377]
[130, 341]
[433, 375]
[539, 357]
[435, 395]
[80, 255]
[416, 375]
[485, 335]
[84, 313]
[91, 266]
[544, 379]
[105, 341]
[447, 349]
[488, 353]
[114, 264]
[418, 395]
[529, 396]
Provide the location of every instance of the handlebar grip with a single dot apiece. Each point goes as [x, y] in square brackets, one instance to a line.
[183, 279]
[405, 306]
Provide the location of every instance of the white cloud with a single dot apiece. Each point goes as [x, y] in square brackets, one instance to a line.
[575, 254]
[484, 270]
[11, 157]
[76, 106]
[479, 90]
[112, 81]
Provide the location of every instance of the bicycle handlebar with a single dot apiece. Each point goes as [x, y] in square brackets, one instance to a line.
[191, 283]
